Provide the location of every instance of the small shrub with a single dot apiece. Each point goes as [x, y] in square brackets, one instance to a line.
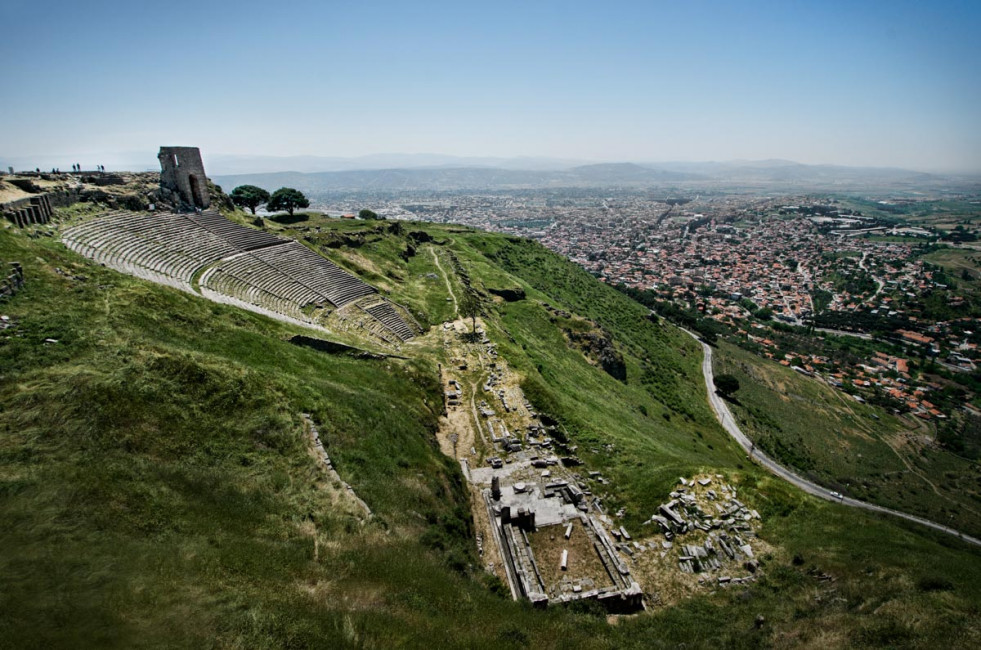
[513, 636]
[934, 583]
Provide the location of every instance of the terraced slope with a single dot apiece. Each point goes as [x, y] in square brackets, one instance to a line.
[208, 254]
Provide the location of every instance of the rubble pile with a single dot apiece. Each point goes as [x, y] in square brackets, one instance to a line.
[492, 380]
[453, 394]
[727, 529]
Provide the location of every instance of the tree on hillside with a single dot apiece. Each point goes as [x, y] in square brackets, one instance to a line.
[286, 198]
[470, 308]
[249, 196]
[367, 214]
[726, 385]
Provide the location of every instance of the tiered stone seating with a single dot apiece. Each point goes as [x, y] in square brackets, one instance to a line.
[387, 316]
[162, 247]
[241, 266]
[321, 275]
[238, 236]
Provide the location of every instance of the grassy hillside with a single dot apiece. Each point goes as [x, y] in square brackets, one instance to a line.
[157, 486]
[963, 264]
[855, 448]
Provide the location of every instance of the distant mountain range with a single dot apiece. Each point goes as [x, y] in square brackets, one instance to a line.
[779, 173]
[225, 164]
[438, 172]
[462, 178]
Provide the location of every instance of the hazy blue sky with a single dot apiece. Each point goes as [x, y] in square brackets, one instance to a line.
[853, 82]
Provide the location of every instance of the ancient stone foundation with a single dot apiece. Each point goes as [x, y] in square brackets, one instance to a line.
[515, 527]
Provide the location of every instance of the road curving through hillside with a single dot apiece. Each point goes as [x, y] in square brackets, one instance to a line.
[728, 423]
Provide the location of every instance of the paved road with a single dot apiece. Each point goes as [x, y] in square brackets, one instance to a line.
[728, 422]
[860, 335]
[880, 283]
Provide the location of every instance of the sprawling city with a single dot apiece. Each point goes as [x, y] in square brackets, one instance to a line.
[778, 276]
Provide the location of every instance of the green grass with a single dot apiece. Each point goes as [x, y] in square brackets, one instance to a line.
[845, 446]
[156, 487]
[666, 419]
[154, 471]
[964, 265]
[900, 239]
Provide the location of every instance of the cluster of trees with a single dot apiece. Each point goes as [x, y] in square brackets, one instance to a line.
[858, 282]
[707, 328]
[285, 198]
[962, 435]
[726, 385]
[961, 234]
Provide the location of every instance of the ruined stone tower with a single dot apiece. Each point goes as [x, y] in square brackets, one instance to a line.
[182, 173]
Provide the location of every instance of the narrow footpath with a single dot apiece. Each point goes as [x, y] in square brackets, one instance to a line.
[446, 279]
[728, 423]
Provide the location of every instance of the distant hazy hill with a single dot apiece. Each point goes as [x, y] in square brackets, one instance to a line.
[775, 173]
[462, 178]
[226, 164]
[789, 171]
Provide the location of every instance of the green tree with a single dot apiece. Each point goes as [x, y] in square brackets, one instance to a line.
[726, 384]
[367, 215]
[249, 196]
[470, 308]
[286, 198]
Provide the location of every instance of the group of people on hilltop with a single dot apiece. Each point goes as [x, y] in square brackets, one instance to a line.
[76, 167]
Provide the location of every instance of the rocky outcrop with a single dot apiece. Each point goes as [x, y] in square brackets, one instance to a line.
[599, 348]
[509, 295]
[337, 240]
[593, 341]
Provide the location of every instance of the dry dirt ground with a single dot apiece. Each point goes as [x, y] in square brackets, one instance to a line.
[460, 435]
[584, 566]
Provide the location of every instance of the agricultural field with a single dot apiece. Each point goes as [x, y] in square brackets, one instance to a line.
[943, 214]
[963, 264]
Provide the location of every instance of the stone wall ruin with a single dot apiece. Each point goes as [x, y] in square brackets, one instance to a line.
[14, 280]
[182, 178]
[34, 210]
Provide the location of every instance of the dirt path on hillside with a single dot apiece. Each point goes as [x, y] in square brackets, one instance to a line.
[446, 279]
[461, 435]
[894, 444]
